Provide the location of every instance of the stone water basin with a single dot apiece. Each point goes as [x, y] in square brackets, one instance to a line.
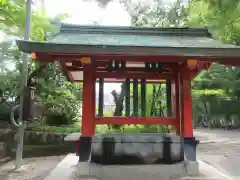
[133, 148]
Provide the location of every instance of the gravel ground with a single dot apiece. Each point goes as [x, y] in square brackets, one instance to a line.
[32, 169]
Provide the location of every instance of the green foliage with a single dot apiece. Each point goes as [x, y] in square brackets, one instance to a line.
[223, 17]
[13, 20]
[155, 13]
[5, 111]
[55, 129]
[64, 101]
[63, 105]
[156, 99]
[57, 117]
[99, 129]
[215, 14]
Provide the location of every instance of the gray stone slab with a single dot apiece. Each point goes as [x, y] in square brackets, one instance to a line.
[126, 137]
[146, 146]
[138, 172]
[72, 137]
[70, 169]
[65, 170]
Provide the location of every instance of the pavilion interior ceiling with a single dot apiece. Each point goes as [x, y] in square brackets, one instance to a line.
[74, 69]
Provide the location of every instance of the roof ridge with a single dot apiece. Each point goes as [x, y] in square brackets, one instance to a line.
[82, 29]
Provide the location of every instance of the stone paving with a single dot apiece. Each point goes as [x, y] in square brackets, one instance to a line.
[70, 169]
[221, 149]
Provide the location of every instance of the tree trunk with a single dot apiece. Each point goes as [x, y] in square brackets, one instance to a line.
[153, 106]
[118, 100]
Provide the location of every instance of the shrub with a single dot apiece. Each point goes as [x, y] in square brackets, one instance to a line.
[54, 129]
[63, 107]
[57, 117]
[5, 110]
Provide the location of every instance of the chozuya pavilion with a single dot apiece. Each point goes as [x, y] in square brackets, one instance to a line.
[135, 56]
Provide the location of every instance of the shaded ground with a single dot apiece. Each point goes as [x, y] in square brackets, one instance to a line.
[33, 168]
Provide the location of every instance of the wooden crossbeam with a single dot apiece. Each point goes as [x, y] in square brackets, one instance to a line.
[139, 75]
[135, 120]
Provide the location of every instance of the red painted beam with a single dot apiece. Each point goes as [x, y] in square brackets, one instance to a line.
[130, 69]
[51, 57]
[231, 63]
[149, 75]
[149, 81]
[168, 59]
[120, 57]
[135, 120]
[77, 66]
[44, 57]
[74, 68]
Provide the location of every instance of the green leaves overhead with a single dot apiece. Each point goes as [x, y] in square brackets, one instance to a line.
[156, 13]
[13, 20]
[52, 91]
[223, 16]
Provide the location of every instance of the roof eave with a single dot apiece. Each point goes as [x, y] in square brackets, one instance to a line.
[43, 47]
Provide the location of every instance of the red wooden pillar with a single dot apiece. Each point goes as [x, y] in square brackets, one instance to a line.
[88, 113]
[185, 80]
[185, 110]
[88, 109]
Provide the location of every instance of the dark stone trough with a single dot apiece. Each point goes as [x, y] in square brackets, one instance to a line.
[132, 148]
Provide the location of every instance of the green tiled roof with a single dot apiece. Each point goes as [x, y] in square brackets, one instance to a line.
[137, 40]
[129, 36]
[132, 41]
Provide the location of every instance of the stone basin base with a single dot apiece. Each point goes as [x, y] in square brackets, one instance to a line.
[70, 169]
[133, 148]
[133, 172]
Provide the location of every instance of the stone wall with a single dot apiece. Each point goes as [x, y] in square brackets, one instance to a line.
[35, 138]
[37, 143]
